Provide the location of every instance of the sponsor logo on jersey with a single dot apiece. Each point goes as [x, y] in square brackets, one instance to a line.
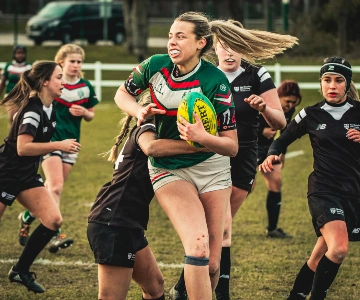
[223, 87]
[356, 230]
[7, 196]
[246, 88]
[321, 126]
[54, 124]
[337, 211]
[81, 94]
[131, 256]
[45, 129]
[352, 126]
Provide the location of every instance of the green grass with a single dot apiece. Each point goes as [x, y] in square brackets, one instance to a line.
[262, 269]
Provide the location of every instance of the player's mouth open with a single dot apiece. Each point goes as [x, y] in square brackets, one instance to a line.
[174, 52]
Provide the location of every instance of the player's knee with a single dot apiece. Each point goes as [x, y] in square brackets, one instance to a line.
[56, 222]
[214, 267]
[156, 290]
[55, 188]
[339, 252]
[199, 246]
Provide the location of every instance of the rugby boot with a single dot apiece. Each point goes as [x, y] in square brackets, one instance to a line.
[27, 279]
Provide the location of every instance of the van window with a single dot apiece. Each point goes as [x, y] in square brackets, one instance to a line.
[91, 10]
[76, 11]
[54, 10]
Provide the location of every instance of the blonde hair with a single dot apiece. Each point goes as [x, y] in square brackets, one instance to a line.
[353, 93]
[67, 49]
[253, 44]
[124, 123]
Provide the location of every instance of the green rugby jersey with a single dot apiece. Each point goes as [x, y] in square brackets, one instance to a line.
[12, 72]
[80, 93]
[167, 91]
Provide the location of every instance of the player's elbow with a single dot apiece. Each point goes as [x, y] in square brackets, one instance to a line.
[151, 149]
[234, 150]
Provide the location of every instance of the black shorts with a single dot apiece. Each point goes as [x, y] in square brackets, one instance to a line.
[9, 190]
[326, 207]
[262, 155]
[243, 167]
[115, 246]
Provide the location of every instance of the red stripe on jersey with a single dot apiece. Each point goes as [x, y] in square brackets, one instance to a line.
[172, 112]
[69, 104]
[181, 85]
[74, 86]
[227, 98]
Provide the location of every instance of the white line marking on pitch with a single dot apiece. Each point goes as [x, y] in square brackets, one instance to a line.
[294, 154]
[42, 261]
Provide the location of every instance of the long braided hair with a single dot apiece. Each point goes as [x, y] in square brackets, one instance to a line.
[125, 124]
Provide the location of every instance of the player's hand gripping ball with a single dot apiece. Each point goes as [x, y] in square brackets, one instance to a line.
[198, 103]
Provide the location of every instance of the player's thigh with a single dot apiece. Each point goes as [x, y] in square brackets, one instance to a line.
[114, 281]
[39, 201]
[273, 180]
[147, 273]
[180, 201]
[53, 170]
[215, 204]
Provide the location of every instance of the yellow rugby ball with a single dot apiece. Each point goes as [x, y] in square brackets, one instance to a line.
[198, 103]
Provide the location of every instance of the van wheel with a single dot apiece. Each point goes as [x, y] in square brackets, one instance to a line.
[66, 38]
[119, 38]
[37, 41]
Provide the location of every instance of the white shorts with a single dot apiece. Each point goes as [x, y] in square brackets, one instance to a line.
[210, 175]
[66, 157]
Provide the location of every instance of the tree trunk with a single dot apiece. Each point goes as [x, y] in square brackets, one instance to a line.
[140, 27]
[127, 7]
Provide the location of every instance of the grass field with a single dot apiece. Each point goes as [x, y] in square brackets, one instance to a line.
[262, 268]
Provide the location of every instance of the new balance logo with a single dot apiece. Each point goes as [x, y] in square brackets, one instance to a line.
[17, 278]
[321, 126]
[356, 230]
[337, 211]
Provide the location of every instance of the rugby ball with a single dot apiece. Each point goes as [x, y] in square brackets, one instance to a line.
[195, 102]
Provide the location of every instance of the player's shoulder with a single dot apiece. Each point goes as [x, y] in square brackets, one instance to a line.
[210, 71]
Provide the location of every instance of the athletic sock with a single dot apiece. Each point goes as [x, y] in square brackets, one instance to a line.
[180, 285]
[222, 290]
[325, 274]
[303, 283]
[36, 243]
[27, 217]
[273, 204]
[161, 298]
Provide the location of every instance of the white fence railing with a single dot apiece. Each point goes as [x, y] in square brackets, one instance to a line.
[277, 69]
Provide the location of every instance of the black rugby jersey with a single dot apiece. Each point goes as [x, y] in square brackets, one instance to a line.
[124, 201]
[36, 120]
[252, 80]
[336, 158]
[262, 140]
